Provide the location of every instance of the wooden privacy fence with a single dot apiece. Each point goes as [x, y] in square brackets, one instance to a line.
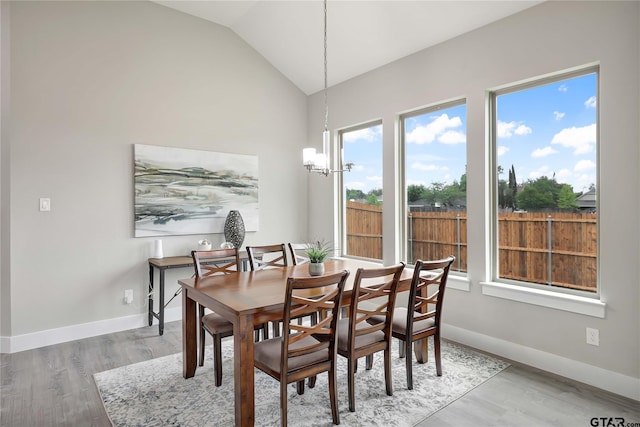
[557, 249]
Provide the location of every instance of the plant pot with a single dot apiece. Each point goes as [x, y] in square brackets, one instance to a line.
[316, 268]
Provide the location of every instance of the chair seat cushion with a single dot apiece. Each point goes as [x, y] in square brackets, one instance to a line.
[268, 352]
[217, 324]
[399, 322]
[361, 341]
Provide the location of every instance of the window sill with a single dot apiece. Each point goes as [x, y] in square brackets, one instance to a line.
[555, 300]
[461, 283]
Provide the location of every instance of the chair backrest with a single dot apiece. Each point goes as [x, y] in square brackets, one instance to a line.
[217, 261]
[304, 296]
[373, 295]
[424, 301]
[276, 256]
[297, 252]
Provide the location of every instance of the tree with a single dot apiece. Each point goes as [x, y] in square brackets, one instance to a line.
[414, 192]
[546, 193]
[567, 198]
[355, 194]
[372, 199]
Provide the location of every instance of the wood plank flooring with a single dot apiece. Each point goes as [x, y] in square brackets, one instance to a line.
[53, 386]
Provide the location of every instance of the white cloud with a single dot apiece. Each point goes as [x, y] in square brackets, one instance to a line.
[424, 167]
[591, 102]
[582, 140]
[355, 185]
[453, 137]
[543, 152]
[558, 115]
[563, 88]
[584, 165]
[541, 171]
[357, 168]
[564, 175]
[506, 130]
[502, 150]
[369, 134]
[426, 134]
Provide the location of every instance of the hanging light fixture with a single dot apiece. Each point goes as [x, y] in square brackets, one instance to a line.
[321, 162]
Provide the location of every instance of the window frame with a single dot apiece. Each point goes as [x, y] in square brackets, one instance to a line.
[573, 300]
[340, 186]
[403, 206]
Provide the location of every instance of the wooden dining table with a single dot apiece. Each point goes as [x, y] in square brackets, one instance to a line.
[247, 299]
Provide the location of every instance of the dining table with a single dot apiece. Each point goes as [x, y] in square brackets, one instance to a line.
[252, 298]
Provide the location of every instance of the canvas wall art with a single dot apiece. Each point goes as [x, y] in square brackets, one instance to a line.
[182, 191]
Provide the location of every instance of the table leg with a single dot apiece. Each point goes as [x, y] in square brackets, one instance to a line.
[421, 350]
[161, 305]
[189, 336]
[150, 295]
[243, 371]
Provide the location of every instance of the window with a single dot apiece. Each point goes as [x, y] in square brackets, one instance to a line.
[435, 157]
[362, 191]
[545, 151]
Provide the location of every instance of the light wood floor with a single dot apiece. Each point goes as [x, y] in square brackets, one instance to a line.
[54, 386]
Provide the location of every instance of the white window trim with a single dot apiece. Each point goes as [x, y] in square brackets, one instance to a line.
[544, 298]
[461, 283]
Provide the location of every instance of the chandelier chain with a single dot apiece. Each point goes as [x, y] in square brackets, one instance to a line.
[326, 104]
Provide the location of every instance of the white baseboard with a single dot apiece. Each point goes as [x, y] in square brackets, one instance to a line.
[614, 382]
[85, 330]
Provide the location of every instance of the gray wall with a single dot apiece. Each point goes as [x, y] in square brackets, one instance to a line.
[89, 80]
[548, 38]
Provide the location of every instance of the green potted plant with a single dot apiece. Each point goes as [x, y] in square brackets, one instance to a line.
[317, 252]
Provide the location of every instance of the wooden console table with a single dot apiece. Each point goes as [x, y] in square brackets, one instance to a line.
[166, 263]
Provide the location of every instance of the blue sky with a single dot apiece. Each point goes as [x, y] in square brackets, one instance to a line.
[541, 131]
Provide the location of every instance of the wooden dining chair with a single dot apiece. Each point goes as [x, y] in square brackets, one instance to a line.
[209, 263]
[305, 351]
[421, 318]
[269, 256]
[297, 252]
[373, 295]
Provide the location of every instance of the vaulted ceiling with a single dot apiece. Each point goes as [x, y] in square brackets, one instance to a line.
[362, 34]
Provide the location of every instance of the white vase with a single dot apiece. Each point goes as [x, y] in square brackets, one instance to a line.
[316, 268]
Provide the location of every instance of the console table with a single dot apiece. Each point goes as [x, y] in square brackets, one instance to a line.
[166, 263]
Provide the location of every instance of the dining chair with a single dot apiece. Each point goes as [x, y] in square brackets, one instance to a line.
[269, 256]
[305, 351]
[297, 252]
[209, 263]
[374, 294]
[422, 316]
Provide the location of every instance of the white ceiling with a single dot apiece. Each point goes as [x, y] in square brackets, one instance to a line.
[362, 34]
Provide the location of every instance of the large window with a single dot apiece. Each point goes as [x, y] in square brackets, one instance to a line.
[362, 191]
[545, 143]
[435, 151]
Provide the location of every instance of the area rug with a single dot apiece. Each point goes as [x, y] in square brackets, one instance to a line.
[154, 393]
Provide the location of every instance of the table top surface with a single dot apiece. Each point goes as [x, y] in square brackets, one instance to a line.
[259, 290]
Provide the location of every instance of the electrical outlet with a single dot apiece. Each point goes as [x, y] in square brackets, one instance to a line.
[128, 296]
[593, 336]
[45, 204]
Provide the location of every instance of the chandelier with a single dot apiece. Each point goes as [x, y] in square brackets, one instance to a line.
[321, 162]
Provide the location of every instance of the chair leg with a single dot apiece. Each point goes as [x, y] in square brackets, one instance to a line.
[300, 387]
[436, 349]
[401, 348]
[312, 381]
[409, 364]
[217, 358]
[333, 396]
[369, 362]
[352, 365]
[388, 379]
[202, 333]
[283, 401]
[276, 328]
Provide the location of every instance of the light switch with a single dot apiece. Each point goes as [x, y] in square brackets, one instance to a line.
[45, 204]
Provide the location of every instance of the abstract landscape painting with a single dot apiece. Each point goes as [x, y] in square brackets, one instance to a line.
[181, 191]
